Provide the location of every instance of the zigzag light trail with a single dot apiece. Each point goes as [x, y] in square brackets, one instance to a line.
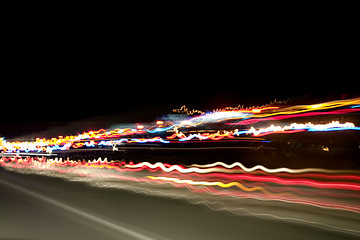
[202, 179]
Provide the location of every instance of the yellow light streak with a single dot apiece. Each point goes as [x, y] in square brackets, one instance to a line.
[207, 183]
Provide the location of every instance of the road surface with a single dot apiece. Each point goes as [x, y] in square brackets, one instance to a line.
[40, 207]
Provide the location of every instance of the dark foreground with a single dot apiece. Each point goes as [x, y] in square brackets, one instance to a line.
[38, 207]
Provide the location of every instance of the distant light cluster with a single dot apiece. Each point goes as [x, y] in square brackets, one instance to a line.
[236, 122]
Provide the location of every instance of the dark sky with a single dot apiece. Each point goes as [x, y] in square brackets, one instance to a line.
[57, 76]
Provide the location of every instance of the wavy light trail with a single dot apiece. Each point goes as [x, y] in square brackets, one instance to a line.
[41, 145]
[352, 182]
[230, 187]
[267, 170]
[174, 130]
[207, 183]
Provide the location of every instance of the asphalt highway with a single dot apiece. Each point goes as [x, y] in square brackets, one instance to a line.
[41, 207]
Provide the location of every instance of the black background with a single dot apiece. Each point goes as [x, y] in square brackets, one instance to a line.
[60, 72]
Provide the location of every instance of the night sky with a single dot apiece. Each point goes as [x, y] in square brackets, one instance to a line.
[51, 79]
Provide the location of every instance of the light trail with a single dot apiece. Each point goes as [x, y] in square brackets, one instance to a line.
[245, 114]
[92, 140]
[170, 132]
[352, 182]
[207, 183]
[268, 170]
[230, 186]
[283, 181]
[282, 117]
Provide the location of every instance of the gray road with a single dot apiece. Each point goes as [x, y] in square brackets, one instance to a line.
[38, 207]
